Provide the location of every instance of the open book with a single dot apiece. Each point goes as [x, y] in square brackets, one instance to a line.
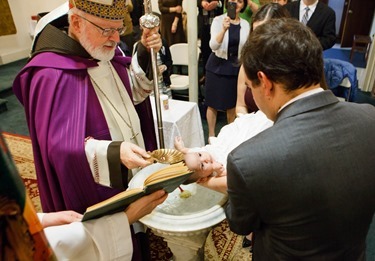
[167, 178]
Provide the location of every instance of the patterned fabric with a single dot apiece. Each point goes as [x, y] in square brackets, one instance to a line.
[158, 248]
[22, 154]
[222, 244]
[305, 17]
[107, 9]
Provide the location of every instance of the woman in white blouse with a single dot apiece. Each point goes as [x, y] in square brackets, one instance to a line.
[227, 38]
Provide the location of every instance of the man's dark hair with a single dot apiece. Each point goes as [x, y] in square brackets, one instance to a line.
[285, 50]
[269, 11]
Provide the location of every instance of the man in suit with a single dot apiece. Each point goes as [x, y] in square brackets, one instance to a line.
[304, 187]
[320, 18]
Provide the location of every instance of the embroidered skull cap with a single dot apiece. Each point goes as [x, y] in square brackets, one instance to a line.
[107, 9]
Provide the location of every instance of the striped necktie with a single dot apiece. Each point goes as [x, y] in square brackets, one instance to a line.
[305, 17]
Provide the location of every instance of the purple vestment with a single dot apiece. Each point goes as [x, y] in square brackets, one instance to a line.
[62, 109]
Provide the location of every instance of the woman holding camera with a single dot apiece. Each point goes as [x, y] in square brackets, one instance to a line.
[228, 34]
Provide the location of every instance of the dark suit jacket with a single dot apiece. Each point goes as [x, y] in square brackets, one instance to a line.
[166, 58]
[322, 22]
[305, 186]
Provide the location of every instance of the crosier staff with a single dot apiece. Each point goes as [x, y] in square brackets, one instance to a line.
[149, 21]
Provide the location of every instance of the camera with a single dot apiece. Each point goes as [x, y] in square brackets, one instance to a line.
[231, 10]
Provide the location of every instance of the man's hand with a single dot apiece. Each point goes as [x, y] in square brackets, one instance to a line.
[60, 218]
[151, 39]
[133, 156]
[144, 205]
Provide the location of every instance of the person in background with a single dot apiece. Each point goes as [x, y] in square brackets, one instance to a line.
[165, 62]
[291, 181]
[127, 37]
[138, 11]
[207, 11]
[171, 21]
[319, 17]
[251, 8]
[227, 38]
[281, 2]
[245, 102]
[89, 119]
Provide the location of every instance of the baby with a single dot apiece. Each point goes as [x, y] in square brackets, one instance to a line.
[201, 162]
[229, 137]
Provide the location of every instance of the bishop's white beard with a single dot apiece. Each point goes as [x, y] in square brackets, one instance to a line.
[98, 53]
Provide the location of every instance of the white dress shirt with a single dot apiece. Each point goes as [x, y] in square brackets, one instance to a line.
[302, 10]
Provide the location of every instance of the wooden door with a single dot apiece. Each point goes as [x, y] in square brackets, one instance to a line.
[356, 19]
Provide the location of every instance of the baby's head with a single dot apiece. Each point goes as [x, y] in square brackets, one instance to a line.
[201, 163]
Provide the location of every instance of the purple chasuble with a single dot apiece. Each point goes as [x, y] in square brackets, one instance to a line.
[62, 109]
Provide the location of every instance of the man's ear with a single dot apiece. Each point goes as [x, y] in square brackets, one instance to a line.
[75, 24]
[265, 82]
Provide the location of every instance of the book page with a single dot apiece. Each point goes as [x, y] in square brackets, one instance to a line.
[166, 173]
[119, 196]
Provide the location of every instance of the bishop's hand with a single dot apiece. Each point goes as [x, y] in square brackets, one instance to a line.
[151, 38]
[133, 156]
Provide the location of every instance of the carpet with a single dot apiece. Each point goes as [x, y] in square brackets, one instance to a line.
[223, 244]
[344, 55]
[21, 150]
